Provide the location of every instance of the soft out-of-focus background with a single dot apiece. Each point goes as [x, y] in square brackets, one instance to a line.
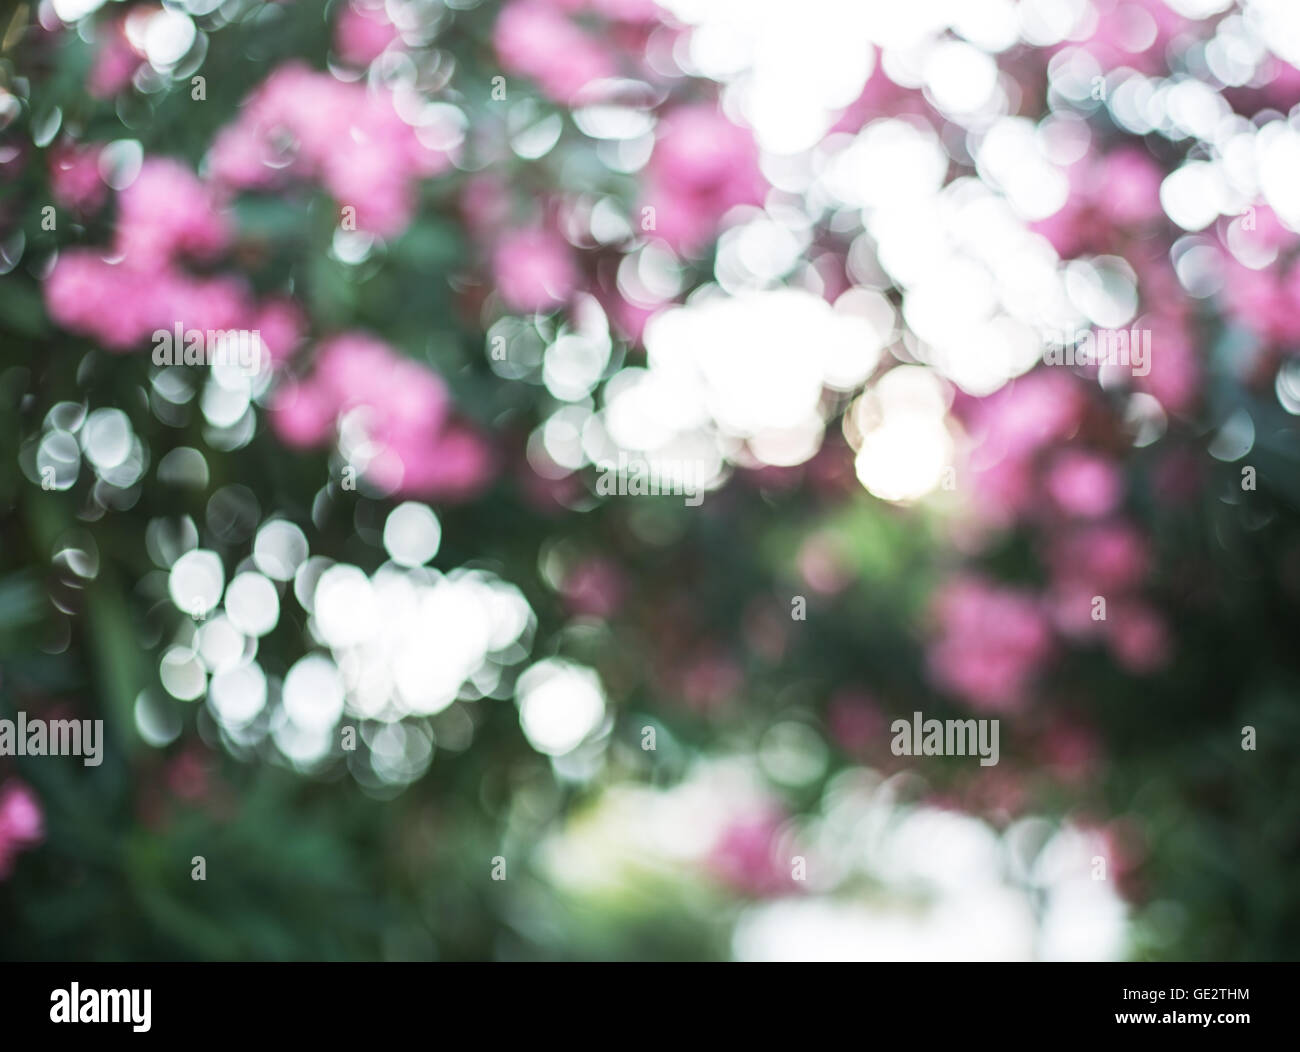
[655, 401]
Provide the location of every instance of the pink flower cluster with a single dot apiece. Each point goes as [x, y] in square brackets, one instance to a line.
[167, 213]
[165, 216]
[1083, 485]
[534, 270]
[1175, 377]
[744, 855]
[415, 447]
[1032, 465]
[363, 32]
[1133, 33]
[115, 63]
[75, 181]
[990, 643]
[881, 95]
[300, 124]
[701, 166]
[1015, 428]
[1111, 198]
[1261, 288]
[538, 39]
[614, 10]
[1107, 561]
[1114, 203]
[120, 296]
[121, 305]
[22, 825]
[1113, 207]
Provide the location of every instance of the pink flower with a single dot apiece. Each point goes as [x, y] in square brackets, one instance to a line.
[1065, 229]
[281, 324]
[242, 156]
[1107, 557]
[121, 304]
[990, 643]
[615, 10]
[1283, 90]
[1108, 560]
[1138, 636]
[362, 33]
[1115, 193]
[1032, 411]
[402, 408]
[381, 193]
[216, 303]
[879, 95]
[698, 147]
[1073, 610]
[1175, 377]
[1084, 484]
[109, 301]
[536, 41]
[1265, 229]
[116, 61]
[74, 290]
[1009, 428]
[167, 212]
[299, 114]
[454, 466]
[22, 824]
[20, 814]
[74, 177]
[629, 318]
[744, 855]
[1133, 33]
[1265, 301]
[534, 271]
[300, 124]
[702, 165]
[485, 204]
[1127, 187]
[628, 10]
[359, 370]
[302, 415]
